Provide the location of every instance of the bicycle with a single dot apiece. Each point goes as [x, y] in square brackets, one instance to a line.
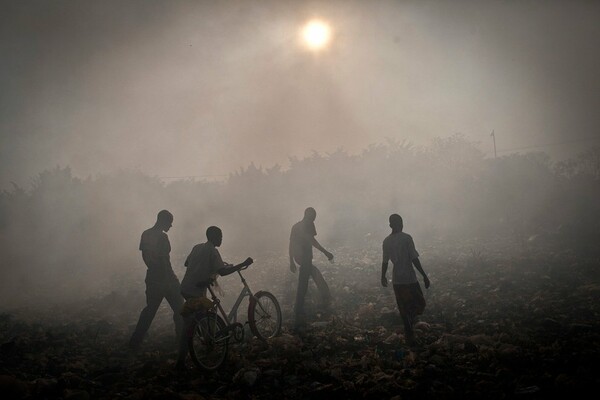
[209, 342]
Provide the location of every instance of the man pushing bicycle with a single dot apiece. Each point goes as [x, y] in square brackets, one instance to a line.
[203, 264]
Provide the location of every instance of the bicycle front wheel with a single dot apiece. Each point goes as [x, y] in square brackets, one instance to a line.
[264, 315]
[209, 343]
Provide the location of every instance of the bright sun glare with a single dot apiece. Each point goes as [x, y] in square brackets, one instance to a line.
[316, 34]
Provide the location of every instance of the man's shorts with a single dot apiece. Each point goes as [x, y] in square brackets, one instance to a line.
[410, 299]
[194, 304]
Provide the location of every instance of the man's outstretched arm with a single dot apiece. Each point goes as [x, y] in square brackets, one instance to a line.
[227, 269]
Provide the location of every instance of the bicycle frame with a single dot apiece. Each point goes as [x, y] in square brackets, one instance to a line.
[231, 318]
[215, 328]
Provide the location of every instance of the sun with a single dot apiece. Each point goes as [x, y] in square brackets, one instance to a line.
[316, 34]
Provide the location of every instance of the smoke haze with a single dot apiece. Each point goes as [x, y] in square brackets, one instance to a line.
[102, 102]
[476, 121]
[205, 88]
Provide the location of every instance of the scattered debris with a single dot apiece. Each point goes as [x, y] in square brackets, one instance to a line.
[493, 332]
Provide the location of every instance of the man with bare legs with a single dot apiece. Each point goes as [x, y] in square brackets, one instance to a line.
[400, 249]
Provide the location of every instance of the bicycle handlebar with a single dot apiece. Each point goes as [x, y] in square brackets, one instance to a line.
[211, 281]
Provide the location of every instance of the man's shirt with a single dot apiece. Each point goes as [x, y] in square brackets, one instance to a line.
[203, 262]
[400, 249]
[156, 247]
[301, 241]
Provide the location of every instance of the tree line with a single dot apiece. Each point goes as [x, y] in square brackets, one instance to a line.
[65, 233]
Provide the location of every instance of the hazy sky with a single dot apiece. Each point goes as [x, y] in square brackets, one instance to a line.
[204, 87]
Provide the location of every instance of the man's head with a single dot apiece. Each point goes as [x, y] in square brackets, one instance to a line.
[310, 214]
[396, 222]
[214, 235]
[164, 220]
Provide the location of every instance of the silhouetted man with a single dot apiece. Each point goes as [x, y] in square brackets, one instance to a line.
[203, 263]
[400, 248]
[302, 240]
[161, 281]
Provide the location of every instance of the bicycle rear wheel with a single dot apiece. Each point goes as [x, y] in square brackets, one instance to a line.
[264, 315]
[209, 343]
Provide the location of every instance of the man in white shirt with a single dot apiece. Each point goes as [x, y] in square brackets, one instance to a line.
[203, 263]
[400, 249]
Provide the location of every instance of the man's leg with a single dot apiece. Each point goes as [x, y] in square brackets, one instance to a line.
[414, 305]
[173, 296]
[188, 323]
[303, 275]
[154, 296]
[321, 286]
[417, 305]
[400, 292]
[408, 328]
[188, 331]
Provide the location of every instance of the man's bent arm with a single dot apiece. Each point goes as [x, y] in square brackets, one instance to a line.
[419, 268]
[321, 248]
[291, 254]
[163, 263]
[147, 258]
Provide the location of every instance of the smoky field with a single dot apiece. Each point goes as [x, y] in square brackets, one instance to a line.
[502, 321]
[510, 245]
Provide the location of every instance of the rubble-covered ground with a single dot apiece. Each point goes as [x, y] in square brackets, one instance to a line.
[501, 322]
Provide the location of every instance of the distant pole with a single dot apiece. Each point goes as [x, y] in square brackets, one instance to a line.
[493, 135]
